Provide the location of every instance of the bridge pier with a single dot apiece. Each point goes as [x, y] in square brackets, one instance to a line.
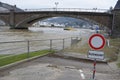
[12, 19]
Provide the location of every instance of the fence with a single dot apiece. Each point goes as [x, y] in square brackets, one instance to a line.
[68, 9]
[19, 47]
[64, 9]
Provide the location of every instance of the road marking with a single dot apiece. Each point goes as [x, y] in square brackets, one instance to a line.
[81, 73]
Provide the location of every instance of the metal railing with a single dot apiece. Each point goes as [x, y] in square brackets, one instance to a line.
[19, 47]
[63, 9]
[68, 9]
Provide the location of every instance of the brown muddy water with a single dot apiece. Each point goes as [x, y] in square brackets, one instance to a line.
[36, 33]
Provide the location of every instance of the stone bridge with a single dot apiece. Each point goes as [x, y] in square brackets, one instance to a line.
[27, 18]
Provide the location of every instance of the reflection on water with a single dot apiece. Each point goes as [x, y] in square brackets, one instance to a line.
[7, 34]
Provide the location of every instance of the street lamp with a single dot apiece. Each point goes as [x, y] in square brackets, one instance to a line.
[95, 9]
[56, 3]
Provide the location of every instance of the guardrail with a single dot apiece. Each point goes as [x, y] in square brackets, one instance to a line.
[64, 9]
[19, 47]
[68, 9]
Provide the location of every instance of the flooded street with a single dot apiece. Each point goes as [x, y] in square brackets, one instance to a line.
[39, 33]
[14, 41]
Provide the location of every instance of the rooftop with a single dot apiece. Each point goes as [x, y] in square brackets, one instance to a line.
[117, 6]
[7, 7]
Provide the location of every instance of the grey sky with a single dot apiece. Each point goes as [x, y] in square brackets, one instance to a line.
[36, 4]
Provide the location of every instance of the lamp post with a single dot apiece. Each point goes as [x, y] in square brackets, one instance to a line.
[95, 9]
[56, 3]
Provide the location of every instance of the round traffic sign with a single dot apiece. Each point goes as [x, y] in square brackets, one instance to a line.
[97, 41]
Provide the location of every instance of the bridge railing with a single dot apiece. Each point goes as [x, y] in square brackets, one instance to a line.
[68, 9]
[63, 9]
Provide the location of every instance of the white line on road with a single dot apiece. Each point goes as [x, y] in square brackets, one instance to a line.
[81, 73]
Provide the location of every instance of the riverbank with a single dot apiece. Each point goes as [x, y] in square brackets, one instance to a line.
[111, 50]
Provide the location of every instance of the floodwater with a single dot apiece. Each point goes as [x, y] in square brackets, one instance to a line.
[39, 33]
[42, 35]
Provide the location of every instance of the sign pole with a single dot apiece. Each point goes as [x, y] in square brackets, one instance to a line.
[96, 42]
[94, 69]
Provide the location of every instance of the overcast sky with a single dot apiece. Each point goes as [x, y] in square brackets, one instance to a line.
[36, 4]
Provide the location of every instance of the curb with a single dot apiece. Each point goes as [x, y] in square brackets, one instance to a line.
[21, 61]
[75, 58]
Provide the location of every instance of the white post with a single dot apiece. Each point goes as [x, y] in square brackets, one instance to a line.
[108, 42]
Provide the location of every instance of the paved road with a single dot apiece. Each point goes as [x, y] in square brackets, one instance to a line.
[52, 68]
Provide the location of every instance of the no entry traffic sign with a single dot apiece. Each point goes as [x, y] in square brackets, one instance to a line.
[97, 41]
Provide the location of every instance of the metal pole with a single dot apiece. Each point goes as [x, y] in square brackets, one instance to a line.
[28, 44]
[113, 22]
[63, 43]
[71, 42]
[77, 38]
[50, 44]
[94, 69]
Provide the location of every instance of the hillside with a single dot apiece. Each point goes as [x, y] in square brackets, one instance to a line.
[68, 21]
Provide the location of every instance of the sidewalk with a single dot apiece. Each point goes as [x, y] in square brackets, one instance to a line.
[76, 56]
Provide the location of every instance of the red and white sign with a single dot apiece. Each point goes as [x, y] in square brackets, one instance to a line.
[97, 41]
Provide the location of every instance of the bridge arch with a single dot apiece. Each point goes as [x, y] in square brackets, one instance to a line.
[95, 19]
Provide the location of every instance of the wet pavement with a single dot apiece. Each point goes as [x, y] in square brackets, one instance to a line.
[55, 68]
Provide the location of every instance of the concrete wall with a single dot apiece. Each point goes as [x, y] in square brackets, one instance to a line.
[116, 22]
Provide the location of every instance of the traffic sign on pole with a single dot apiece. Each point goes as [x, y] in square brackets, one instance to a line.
[97, 41]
